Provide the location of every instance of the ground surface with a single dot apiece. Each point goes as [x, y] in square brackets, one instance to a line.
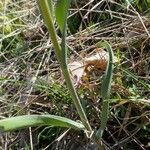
[31, 80]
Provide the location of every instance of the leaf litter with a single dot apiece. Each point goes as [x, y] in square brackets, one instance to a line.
[84, 67]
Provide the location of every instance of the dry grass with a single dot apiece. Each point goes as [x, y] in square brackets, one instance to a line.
[30, 73]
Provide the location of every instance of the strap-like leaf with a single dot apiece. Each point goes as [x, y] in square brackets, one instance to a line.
[106, 84]
[50, 6]
[106, 87]
[61, 12]
[14, 123]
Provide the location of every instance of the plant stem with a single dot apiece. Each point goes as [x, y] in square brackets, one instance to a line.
[48, 20]
[76, 99]
[47, 16]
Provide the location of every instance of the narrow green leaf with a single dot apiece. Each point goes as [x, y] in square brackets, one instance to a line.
[106, 84]
[14, 123]
[106, 87]
[48, 19]
[61, 12]
[59, 53]
[50, 6]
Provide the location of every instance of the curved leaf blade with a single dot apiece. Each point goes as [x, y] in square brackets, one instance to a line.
[106, 87]
[106, 84]
[18, 122]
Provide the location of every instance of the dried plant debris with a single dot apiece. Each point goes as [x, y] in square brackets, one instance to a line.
[77, 70]
[84, 67]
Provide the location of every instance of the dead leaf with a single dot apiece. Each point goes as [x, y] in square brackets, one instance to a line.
[77, 70]
[96, 61]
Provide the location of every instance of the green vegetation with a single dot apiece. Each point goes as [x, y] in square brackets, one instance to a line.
[109, 107]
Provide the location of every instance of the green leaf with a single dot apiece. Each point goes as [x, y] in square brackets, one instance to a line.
[61, 12]
[106, 87]
[50, 5]
[106, 84]
[14, 123]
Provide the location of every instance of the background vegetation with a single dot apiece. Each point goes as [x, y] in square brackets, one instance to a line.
[31, 81]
